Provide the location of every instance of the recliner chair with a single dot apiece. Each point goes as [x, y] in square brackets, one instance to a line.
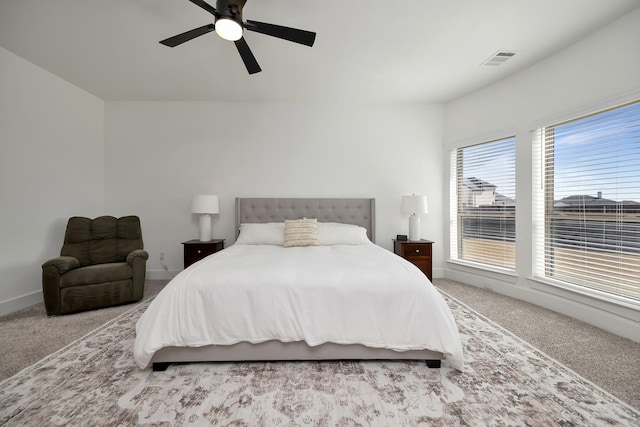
[102, 263]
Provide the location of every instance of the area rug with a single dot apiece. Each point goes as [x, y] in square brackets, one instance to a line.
[506, 382]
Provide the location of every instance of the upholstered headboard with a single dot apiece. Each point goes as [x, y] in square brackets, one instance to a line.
[348, 211]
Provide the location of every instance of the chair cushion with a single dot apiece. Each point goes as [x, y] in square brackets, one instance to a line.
[102, 240]
[99, 273]
[89, 297]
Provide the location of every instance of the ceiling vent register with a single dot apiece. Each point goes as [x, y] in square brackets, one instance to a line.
[499, 58]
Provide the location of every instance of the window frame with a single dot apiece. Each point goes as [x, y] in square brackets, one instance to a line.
[456, 228]
[545, 211]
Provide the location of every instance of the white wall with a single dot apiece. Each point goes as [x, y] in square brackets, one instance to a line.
[598, 69]
[159, 154]
[51, 167]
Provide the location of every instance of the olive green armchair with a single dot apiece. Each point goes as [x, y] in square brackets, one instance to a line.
[102, 263]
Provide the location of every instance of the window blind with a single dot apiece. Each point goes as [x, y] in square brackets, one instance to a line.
[590, 201]
[484, 229]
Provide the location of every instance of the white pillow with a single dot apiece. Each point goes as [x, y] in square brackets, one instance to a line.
[335, 233]
[269, 233]
[300, 232]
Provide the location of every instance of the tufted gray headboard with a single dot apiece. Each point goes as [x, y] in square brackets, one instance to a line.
[348, 211]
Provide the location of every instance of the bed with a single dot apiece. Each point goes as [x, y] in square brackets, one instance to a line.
[257, 300]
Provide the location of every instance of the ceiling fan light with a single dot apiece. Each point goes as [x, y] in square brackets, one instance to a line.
[228, 29]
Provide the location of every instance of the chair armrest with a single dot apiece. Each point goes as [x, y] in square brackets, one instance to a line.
[62, 263]
[138, 253]
[137, 260]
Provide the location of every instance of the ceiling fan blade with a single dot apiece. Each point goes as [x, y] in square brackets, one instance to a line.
[292, 34]
[206, 6]
[188, 35]
[247, 56]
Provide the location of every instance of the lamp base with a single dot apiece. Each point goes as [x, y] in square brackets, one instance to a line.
[414, 227]
[205, 228]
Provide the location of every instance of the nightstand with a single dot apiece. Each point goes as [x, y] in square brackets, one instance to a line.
[195, 250]
[417, 252]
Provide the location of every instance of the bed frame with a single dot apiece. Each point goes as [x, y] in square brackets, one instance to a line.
[356, 211]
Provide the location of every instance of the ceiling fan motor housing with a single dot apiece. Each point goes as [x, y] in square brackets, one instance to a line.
[229, 9]
[228, 20]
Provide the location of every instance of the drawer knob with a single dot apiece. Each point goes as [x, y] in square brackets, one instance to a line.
[199, 251]
[417, 250]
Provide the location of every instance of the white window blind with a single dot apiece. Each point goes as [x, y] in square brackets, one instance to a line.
[589, 199]
[484, 227]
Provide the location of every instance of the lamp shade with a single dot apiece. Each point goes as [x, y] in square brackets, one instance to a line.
[205, 204]
[414, 205]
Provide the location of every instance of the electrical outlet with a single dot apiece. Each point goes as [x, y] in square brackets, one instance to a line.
[163, 263]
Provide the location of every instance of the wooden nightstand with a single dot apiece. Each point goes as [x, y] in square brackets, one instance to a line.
[195, 250]
[417, 252]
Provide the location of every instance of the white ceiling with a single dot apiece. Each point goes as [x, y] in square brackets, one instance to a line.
[365, 51]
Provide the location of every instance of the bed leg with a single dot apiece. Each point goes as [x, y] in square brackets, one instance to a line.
[160, 366]
[433, 363]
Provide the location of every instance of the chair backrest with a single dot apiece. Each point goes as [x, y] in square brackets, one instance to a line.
[102, 240]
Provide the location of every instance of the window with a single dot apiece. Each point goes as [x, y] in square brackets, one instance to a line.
[483, 218]
[589, 203]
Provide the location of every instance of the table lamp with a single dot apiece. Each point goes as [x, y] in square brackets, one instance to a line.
[414, 206]
[205, 205]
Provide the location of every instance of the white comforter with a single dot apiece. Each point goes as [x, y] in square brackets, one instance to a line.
[340, 294]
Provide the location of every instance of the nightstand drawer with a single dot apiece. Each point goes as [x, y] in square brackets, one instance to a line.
[195, 250]
[416, 250]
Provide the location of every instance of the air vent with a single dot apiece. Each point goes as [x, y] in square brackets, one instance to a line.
[499, 58]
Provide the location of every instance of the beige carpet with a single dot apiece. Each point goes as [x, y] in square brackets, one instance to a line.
[606, 359]
[29, 335]
[94, 381]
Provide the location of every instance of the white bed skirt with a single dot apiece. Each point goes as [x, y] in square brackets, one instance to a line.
[277, 350]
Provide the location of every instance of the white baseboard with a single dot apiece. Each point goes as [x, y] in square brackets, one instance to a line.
[18, 303]
[603, 319]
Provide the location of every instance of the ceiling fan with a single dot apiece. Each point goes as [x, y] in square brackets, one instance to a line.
[228, 24]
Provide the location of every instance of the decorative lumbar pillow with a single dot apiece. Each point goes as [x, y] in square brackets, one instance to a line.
[301, 232]
[270, 233]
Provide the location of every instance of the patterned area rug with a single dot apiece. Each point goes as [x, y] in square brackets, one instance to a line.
[94, 381]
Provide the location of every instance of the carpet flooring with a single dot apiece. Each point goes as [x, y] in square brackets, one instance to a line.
[29, 334]
[604, 358]
[607, 360]
[94, 381]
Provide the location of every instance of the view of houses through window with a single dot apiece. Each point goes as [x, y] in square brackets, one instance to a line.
[586, 219]
[591, 196]
[484, 231]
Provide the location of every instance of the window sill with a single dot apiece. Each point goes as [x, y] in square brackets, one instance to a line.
[617, 305]
[497, 273]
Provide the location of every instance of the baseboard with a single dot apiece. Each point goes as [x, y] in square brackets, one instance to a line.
[607, 320]
[18, 303]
